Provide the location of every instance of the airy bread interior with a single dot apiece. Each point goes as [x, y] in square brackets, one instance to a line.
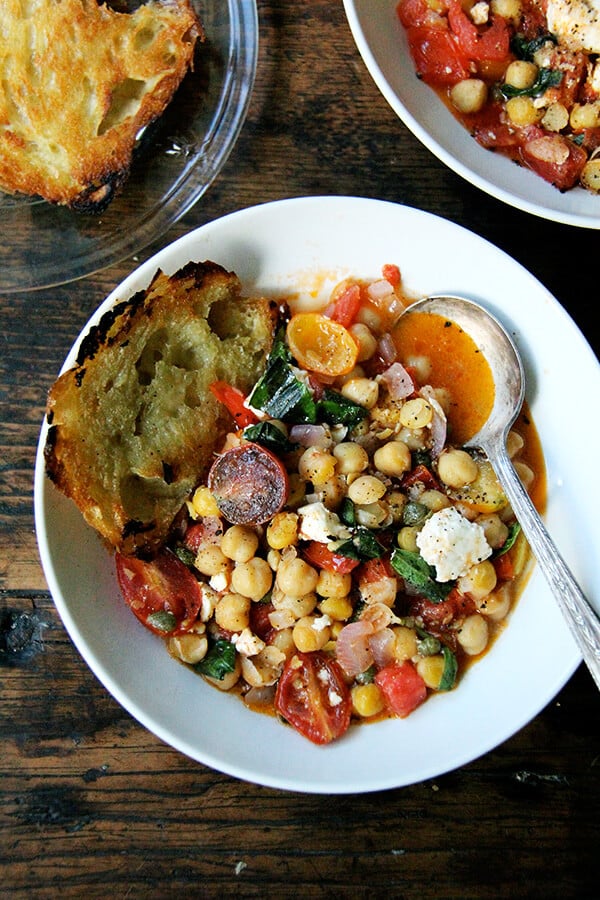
[133, 425]
[78, 82]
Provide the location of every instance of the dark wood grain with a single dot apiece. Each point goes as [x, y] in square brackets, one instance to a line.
[91, 804]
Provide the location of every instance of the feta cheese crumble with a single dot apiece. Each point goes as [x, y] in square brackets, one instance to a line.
[452, 544]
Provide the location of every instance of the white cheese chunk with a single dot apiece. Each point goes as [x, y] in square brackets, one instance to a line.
[452, 544]
[317, 523]
[576, 23]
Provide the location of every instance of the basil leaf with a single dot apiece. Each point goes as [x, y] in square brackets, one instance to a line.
[219, 661]
[162, 620]
[413, 568]
[526, 49]
[270, 436]
[513, 533]
[362, 545]
[545, 78]
[283, 396]
[448, 679]
[421, 458]
[335, 409]
[347, 512]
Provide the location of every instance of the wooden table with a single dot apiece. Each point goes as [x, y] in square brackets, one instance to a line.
[91, 804]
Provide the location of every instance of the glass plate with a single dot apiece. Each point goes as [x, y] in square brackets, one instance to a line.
[177, 160]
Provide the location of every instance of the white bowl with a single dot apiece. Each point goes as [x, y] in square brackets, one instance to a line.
[301, 246]
[381, 41]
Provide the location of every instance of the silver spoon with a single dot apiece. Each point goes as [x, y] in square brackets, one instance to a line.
[509, 380]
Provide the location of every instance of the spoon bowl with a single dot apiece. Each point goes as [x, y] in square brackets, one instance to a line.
[508, 375]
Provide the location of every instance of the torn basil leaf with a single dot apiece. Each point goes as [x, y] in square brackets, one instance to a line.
[362, 545]
[335, 409]
[513, 533]
[545, 78]
[270, 436]
[219, 661]
[282, 395]
[413, 568]
[448, 679]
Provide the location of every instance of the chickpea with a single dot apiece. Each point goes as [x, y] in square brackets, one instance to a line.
[295, 607]
[310, 634]
[494, 529]
[396, 502]
[189, 647]
[585, 115]
[496, 605]
[252, 579]
[407, 538]
[333, 584]
[469, 95]
[233, 612]
[514, 443]
[434, 500]
[316, 465]
[366, 489]
[351, 457]
[421, 365]
[521, 111]
[521, 74]
[393, 458]
[416, 413]
[372, 515]
[366, 340]
[204, 503]
[474, 634]
[479, 581]
[431, 669]
[339, 609]
[456, 468]
[590, 175]
[296, 577]
[405, 646]
[210, 560]
[239, 543]
[367, 700]
[282, 530]
[508, 9]
[525, 473]
[363, 391]
[556, 117]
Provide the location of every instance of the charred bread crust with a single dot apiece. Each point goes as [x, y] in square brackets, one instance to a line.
[79, 81]
[133, 426]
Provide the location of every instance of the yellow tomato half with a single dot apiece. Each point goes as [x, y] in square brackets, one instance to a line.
[321, 345]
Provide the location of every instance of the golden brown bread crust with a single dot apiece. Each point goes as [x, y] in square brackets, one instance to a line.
[78, 81]
[133, 425]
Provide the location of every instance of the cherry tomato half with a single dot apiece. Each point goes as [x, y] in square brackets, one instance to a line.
[321, 345]
[249, 484]
[313, 697]
[162, 593]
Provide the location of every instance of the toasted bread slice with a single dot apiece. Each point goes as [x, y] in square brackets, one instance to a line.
[78, 81]
[133, 425]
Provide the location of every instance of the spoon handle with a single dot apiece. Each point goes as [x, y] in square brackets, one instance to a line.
[581, 618]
